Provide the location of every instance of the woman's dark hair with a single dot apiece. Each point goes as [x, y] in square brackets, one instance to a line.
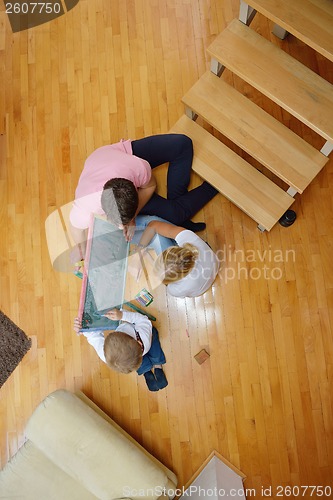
[119, 200]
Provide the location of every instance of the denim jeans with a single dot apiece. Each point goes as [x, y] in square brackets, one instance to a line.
[158, 243]
[155, 355]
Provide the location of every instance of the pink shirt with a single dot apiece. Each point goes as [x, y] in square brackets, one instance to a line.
[105, 163]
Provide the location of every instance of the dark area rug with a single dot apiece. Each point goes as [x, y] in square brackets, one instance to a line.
[14, 344]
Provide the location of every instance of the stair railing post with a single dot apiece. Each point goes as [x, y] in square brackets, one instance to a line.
[327, 148]
[188, 112]
[246, 13]
[291, 191]
[216, 67]
[279, 32]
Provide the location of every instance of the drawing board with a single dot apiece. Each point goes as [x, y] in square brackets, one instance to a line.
[105, 271]
[104, 275]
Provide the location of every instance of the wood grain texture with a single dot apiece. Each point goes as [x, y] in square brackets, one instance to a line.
[233, 177]
[263, 400]
[291, 159]
[261, 64]
[309, 20]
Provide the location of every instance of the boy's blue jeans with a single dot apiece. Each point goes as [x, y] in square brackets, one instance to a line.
[155, 355]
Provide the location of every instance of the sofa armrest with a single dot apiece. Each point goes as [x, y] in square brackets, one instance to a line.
[172, 484]
[93, 452]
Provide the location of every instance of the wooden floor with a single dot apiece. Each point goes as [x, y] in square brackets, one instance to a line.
[264, 399]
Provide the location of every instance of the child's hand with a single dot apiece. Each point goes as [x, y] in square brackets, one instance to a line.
[114, 314]
[134, 265]
[77, 326]
[77, 254]
[129, 230]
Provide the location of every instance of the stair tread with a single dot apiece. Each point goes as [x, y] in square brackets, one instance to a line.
[259, 134]
[236, 179]
[265, 66]
[309, 20]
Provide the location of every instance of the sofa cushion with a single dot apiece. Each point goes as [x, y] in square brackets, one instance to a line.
[91, 451]
[30, 475]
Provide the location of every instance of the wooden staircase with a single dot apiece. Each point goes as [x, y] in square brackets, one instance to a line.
[303, 94]
[308, 20]
[255, 131]
[236, 179]
[277, 75]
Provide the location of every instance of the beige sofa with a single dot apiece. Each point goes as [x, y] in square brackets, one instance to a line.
[74, 451]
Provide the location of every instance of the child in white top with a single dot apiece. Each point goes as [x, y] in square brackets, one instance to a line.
[134, 345]
[188, 269]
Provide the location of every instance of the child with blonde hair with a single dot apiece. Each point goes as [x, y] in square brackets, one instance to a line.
[175, 263]
[134, 345]
[189, 266]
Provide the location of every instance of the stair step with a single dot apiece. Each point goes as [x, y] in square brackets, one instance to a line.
[277, 75]
[236, 179]
[309, 21]
[266, 139]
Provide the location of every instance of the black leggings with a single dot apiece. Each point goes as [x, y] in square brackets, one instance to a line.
[180, 204]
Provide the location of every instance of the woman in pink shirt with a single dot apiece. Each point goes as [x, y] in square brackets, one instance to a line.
[117, 180]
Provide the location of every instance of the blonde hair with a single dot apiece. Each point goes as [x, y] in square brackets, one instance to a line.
[122, 352]
[174, 263]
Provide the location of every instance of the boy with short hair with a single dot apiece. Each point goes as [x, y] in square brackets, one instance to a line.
[134, 345]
